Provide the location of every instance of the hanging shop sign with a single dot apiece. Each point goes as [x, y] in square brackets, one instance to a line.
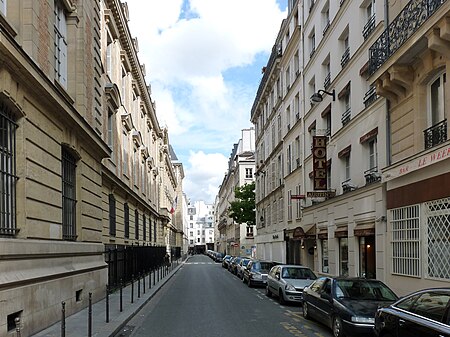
[320, 163]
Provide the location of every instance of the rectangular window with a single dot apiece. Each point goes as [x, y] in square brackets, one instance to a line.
[154, 231]
[248, 173]
[324, 251]
[69, 200]
[136, 224]
[109, 45]
[8, 127]
[126, 216]
[373, 153]
[144, 227]
[289, 205]
[112, 215]
[347, 167]
[125, 152]
[405, 226]
[298, 209]
[343, 256]
[111, 123]
[60, 44]
[3, 7]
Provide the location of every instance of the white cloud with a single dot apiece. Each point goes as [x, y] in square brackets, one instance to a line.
[204, 175]
[187, 47]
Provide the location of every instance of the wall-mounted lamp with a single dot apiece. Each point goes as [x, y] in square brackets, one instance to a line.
[303, 245]
[315, 244]
[317, 97]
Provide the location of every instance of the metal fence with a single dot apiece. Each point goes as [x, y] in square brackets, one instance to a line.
[128, 262]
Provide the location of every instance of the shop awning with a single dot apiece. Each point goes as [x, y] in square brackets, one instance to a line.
[322, 233]
[367, 229]
[341, 232]
[304, 232]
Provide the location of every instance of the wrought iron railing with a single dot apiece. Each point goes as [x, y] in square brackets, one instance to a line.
[369, 27]
[345, 57]
[346, 116]
[327, 81]
[407, 22]
[347, 186]
[372, 175]
[370, 96]
[435, 135]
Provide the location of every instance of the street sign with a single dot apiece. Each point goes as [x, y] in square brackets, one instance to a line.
[297, 196]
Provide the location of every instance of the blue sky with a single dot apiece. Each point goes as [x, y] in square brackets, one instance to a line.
[203, 60]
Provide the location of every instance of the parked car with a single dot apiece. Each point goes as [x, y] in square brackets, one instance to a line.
[226, 260]
[256, 272]
[423, 313]
[346, 305]
[288, 282]
[232, 266]
[218, 257]
[241, 266]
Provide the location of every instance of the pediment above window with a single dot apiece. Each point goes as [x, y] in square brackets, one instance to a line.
[144, 152]
[113, 95]
[137, 138]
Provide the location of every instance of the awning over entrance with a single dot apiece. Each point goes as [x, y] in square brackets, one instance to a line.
[304, 232]
[322, 233]
[367, 229]
[341, 232]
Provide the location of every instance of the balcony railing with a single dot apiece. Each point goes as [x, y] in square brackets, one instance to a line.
[435, 135]
[407, 22]
[345, 57]
[369, 27]
[346, 116]
[370, 96]
[327, 81]
[372, 175]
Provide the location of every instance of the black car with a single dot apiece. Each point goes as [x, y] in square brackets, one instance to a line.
[346, 305]
[226, 260]
[424, 313]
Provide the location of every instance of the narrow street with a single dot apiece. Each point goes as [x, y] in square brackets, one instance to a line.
[205, 300]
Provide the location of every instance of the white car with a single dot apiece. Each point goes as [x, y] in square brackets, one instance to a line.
[288, 281]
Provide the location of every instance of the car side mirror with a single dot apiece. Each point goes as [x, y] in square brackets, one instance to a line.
[277, 276]
[327, 297]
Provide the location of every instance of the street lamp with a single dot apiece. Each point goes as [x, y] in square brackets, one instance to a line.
[317, 97]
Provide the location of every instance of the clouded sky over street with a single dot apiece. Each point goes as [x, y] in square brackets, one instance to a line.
[203, 60]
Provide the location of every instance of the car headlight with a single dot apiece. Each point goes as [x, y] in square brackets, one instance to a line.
[289, 287]
[358, 319]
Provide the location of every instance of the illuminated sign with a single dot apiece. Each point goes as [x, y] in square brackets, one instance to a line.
[319, 151]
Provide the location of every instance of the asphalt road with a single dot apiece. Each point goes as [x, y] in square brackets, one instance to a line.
[204, 300]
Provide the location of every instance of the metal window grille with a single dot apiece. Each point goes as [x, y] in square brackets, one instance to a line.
[7, 172]
[144, 227]
[437, 238]
[126, 215]
[136, 224]
[406, 240]
[154, 230]
[112, 215]
[68, 195]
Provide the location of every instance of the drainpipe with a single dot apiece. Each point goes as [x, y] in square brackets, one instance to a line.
[388, 118]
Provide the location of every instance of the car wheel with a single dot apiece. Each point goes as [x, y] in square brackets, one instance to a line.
[306, 311]
[249, 283]
[337, 327]
[268, 293]
[281, 297]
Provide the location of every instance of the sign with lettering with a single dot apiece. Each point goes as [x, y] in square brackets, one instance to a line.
[319, 151]
[419, 162]
[324, 194]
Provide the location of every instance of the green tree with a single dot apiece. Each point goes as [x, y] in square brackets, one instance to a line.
[242, 210]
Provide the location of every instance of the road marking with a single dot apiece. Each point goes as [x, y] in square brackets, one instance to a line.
[292, 329]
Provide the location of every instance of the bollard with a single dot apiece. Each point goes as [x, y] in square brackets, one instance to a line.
[63, 319]
[159, 271]
[143, 282]
[132, 288]
[90, 316]
[154, 277]
[121, 303]
[139, 285]
[107, 304]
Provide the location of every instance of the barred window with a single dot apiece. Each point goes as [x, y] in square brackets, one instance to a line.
[112, 215]
[406, 241]
[437, 241]
[126, 215]
[8, 172]
[136, 224]
[154, 230]
[144, 227]
[68, 195]
[324, 253]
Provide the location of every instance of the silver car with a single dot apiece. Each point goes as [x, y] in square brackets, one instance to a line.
[288, 281]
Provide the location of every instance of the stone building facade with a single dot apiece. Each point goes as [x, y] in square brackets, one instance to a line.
[85, 163]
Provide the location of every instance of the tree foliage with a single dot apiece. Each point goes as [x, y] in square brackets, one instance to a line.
[242, 209]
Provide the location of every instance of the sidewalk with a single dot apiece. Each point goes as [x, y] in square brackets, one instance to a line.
[77, 324]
